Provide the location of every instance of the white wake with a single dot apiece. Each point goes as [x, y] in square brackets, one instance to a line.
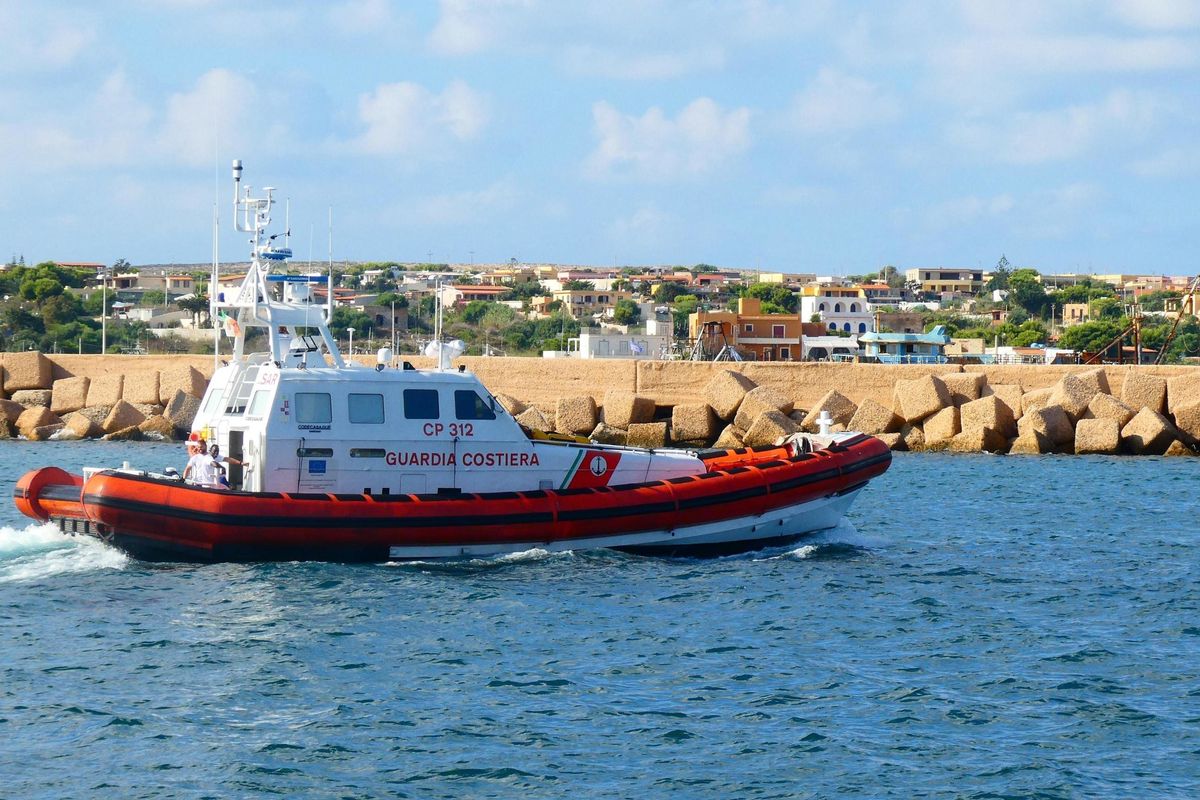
[41, 551]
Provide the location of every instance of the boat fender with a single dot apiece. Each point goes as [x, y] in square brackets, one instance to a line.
[29, 489]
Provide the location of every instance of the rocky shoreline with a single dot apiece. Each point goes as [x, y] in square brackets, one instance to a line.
[1020, 410]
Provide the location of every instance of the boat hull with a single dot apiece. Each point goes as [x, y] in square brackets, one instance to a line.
[747, 500]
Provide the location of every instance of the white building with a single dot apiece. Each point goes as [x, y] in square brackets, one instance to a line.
[847, 314]
[653, 343]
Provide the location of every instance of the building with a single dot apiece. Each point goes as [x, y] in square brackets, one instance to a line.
[460, 294]
[840, 308]
[758, 336]
[1074, 314]
[583, 303]
[653, 342]
[939, 280]
[906, 348]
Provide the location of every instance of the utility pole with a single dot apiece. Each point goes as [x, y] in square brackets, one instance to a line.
[104, 310]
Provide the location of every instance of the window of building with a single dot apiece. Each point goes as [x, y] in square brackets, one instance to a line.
[748, 328]
[837, 308]
[421, 404]
[833, 326]
[777, 331]
[853, 307]
[821, 307]
[785, 354]
[846, 327]
[469, 405]
[313, 408]
[366, 409]
[862, 327]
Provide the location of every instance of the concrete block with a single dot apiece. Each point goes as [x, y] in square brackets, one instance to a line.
[1178, 448]
[512, 405]
[730, 439]
[1072, 394]
[757, 402]
[144, 389]
[69, 394]
[182, 410]
[607, 434]
[693, 422]
[725, 392]
[1148, 433]
[45, 432]
[914, 400]
[6, 430]
[964, 386]
[10, 410]
[894, 441]
[575, 415]
[1009, 394]
[105, 390]
[1038, 398]
[647, 434]
[1182, 390]
[1097, 436]
[1031, 442]
[988, 412]
[1096, 380]
[27, 370]
[81, 426]
[1187, 420]
[33, 397]
[157, 428]
[840, 408]
[131, 434]
[769, 428]
[35, 417]
[97, 414]
[1052, 421]
[533, 419]
[123, 415]
[183, 378]
[1144, 391]
[150, 410]
[913, 438]
[1105, 406]
[941, 427]
[874, 418]
[622, 409]
[979, 440]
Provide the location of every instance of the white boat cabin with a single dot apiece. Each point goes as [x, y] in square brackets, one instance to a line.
[385, 431]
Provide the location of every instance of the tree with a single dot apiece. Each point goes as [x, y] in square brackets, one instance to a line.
[1026, 291]
[626, 312]
[783, 297]
[1090, 336]
[1000, 276]
[667, 291]
[892, 277]
[578, 285]
[197, 304]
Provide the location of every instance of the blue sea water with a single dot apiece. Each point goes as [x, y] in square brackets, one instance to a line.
[982, 627]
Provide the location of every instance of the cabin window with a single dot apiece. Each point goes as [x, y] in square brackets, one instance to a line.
[469, 405]
[367, 452]
[260, 401]
[313, 408]
[210, 404]
[314, 452]
[366, 409]
[421, 404]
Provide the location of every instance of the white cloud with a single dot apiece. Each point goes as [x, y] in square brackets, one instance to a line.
[654, 147]
[364, 18]
[406, 118]
[834, 102]
[223, 106]
[471, 26]
[1158, 14]
[36, 40]
[1035, 137]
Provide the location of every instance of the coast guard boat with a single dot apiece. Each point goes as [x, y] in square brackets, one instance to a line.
[351, 463]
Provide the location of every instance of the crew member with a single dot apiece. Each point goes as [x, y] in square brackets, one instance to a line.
[201, 470]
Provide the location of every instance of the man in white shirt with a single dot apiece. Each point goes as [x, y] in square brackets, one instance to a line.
[201, 470]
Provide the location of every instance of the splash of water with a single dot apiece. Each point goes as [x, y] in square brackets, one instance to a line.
[40, 551]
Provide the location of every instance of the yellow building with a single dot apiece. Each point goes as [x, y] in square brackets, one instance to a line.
[767, 337]
[938, 280]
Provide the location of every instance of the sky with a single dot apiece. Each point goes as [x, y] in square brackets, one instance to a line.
[807, 136]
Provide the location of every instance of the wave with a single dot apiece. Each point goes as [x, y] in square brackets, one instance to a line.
[37, 552]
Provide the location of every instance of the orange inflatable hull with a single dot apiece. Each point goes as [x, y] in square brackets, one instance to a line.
[754, 490]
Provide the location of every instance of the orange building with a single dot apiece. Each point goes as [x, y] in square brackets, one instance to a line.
[763, 337]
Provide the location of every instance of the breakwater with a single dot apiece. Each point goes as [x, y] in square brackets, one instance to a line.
[1002, 408]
